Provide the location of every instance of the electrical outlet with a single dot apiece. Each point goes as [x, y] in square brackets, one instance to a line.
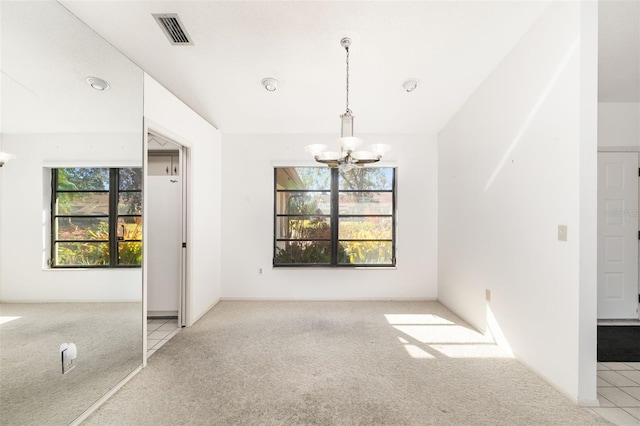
[68, 354]
[562, 232]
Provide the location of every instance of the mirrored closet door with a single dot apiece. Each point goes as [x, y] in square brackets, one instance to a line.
[71, 318]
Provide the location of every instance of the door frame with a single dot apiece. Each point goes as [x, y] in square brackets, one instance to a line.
[184, 311]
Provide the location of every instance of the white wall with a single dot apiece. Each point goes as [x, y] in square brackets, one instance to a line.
[619, 124]
[512, 164]
[247, 236]
[172, 118]
[25, 212]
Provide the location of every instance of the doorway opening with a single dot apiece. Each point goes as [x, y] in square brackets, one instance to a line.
[618, 249]
[165, 195]
[618, 236]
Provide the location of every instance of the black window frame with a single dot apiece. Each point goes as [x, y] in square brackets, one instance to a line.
[112, 217]
[334, 218]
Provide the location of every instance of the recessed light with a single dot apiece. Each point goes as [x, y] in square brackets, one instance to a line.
[410, 85]
[270, 84]
[98, 83]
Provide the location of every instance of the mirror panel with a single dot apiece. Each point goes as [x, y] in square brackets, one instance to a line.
[52, 118]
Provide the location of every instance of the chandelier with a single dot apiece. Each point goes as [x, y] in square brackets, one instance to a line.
[348, 157]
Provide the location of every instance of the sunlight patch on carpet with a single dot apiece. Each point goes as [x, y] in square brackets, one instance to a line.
[415, 351]
[471, 351]
[442, 334]
[4, 320]
[415, 319]
[424, 336]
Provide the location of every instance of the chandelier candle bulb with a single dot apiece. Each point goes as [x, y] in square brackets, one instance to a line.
[363, 155]
[316, 148]
[329, 156]
[379, 149]
[349, 143]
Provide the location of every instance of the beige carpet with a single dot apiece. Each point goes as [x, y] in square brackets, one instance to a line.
[33, 390]
[335, 363]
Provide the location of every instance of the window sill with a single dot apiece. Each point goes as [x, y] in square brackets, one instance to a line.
[376, 268]
[336, 268]
[132, 268]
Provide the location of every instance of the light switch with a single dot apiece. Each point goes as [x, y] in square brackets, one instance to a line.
[562, 232]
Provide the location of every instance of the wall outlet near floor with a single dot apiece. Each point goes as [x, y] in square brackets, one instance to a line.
[68, 355]
[487, 295]
[562, 232]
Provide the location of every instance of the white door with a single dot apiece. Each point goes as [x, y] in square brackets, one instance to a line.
[164, 239]
[617, 235]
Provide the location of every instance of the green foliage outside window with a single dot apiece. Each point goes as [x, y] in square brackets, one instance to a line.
[85, 217]
[364, 216]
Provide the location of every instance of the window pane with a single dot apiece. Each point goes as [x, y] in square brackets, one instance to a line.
[300, 252]
[130, 203]
[130, 179]
[306, 209]
[303, 203]
[130, 253]
[82, 203]
[366, 203]
[362, 178]
[82, 228]
[83, 179]
[365, 252]
[303, 228]
[303, 178]
[79, 254]
[365, 228]
[130, 228]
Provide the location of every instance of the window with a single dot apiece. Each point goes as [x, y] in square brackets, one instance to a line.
[96, 218]
[330, 217]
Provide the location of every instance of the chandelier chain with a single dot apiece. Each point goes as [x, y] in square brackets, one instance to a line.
[347, 49]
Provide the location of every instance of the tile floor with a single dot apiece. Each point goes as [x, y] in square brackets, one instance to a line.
[159, 331]
[619, 392]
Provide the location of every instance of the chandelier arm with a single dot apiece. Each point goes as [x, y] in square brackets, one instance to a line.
[368, 160]
[350, 159]
[330, 163]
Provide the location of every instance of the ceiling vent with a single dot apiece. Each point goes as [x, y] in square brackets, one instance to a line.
[173, 28]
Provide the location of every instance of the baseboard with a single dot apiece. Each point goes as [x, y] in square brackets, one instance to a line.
[537, 372]
[163, 314]
[481, 329]
[16, 301]
[82, 417]
[354, 299]
[588, 402]
[195, 320]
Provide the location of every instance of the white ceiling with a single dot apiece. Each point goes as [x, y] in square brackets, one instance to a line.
[47, 54]
[449, 46]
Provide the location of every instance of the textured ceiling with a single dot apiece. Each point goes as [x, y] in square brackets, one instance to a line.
[449, 46]
[47, 54]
